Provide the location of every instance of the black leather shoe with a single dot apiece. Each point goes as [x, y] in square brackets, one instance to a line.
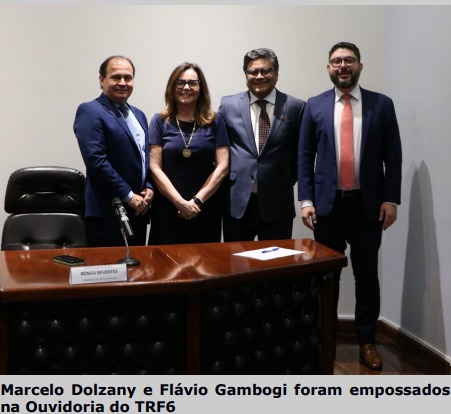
[369, 356]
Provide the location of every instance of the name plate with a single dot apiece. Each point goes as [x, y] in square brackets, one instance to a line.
[98, 274]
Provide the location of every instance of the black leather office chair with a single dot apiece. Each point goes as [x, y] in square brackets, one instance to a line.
[46, 207]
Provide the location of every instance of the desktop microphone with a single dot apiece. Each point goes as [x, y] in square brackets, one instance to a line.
[121, 214]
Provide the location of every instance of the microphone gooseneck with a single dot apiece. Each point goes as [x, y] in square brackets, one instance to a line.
[126, 229]
[121, 214]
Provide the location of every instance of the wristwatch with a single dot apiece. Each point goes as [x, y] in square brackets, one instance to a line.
[198, 201]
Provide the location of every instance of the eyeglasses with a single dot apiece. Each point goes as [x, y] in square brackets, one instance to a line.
[263, 71]
[348, 60]
[181, 83]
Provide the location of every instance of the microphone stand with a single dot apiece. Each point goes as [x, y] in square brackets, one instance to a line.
[127, 259]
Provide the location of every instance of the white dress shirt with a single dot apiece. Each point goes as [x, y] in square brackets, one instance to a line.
[356, 103]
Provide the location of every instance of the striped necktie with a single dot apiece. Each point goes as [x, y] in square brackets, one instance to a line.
[263, 125]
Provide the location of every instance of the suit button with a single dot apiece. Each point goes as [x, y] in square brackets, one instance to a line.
[253, 177]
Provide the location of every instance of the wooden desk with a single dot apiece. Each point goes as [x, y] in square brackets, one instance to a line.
[186, 309]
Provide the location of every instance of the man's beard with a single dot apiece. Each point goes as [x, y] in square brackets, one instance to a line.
[345, 84]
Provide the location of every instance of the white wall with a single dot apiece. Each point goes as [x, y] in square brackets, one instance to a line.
[416, 257]
[51, 57]
[50, 64]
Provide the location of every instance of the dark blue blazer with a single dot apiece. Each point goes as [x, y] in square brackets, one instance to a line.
[111, 156]
[275, 167]
[381, 157]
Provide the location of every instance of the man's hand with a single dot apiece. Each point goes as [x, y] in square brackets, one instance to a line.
[141, 202]
[147, 194]
[308, 215]
[388, 214]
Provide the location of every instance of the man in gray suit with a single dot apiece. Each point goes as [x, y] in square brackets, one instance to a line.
[262, 167]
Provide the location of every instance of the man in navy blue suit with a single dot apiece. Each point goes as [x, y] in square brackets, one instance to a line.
[262, 174]
[354, 209]
[114, 143]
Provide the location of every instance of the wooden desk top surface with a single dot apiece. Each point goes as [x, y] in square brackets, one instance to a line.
[27, 275]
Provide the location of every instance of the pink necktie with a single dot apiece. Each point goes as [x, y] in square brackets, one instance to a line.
[346, 145]
[263, 129]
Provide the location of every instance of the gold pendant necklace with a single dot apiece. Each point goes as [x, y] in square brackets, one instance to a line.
[186, 152]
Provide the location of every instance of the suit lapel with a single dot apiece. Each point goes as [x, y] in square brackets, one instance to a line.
[367, 114]
[329, 117]
[245, 111]
[111, 108]
[279, 112]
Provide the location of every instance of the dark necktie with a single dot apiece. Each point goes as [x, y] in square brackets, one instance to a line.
[347, 145]
[137, 134]
[123, 110]
[263, 128]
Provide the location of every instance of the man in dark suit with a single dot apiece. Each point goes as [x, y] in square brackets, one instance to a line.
[262, 167]
[349, 197]
[114, 144]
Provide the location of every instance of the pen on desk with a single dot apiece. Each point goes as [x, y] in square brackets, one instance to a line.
[270, 250]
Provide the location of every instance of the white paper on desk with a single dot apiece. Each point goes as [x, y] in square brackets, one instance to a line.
[268, 253]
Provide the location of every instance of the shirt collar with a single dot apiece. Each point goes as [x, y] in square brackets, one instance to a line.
[271, 98]
[355, 93]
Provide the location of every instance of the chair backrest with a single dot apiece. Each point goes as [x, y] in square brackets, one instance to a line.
[46, 207]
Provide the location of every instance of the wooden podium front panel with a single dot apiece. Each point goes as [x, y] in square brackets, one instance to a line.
[164, 319]
[121, 335]
[271, 327]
